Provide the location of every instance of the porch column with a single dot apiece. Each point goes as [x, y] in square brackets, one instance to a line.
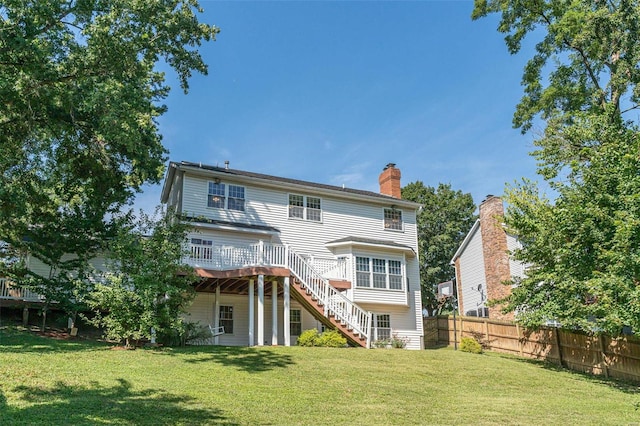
[251, 319]
[286, 316]
[216, 313]
[274, 313]
[260, 310]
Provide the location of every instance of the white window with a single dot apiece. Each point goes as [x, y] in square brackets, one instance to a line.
[379, 273]
[201, 249]
[393, 219]
[295, 322]
[382, 327]
[223, 196]
[226, 318]
[305, 207]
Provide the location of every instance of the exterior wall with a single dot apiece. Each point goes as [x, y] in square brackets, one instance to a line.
[403, 322]
[471, 274]
[516, 267]
[267, 206]
[202, 310]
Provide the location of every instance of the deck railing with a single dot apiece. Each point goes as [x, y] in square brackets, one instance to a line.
[266, 254]
[8, 290]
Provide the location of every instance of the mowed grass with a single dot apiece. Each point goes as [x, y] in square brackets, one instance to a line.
[45, 381]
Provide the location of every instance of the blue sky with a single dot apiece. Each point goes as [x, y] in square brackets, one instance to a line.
[332, 91]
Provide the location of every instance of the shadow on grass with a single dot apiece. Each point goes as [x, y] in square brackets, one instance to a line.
[625, 386]
[22, 340]
[249, 359]
[95, 404]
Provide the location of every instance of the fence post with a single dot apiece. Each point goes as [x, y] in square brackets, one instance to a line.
[556, 330]
[519, 339]
[486, 333]
[603, 356]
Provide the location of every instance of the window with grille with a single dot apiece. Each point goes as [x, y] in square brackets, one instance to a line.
[379, 273]
[305, 207]
[382, 329]
[393, 219]
[230, 197]
[226, 318]
[295, 322]
[201, 248]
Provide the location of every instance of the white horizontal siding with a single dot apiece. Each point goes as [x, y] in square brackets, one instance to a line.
[472, 274]
[340, 218]
[203, 307]
[403, 323]
[516, 267]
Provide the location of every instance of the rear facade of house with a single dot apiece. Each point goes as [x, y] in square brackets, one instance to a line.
[278, 256]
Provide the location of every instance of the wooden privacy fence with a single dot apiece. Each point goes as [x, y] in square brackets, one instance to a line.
[611, 357]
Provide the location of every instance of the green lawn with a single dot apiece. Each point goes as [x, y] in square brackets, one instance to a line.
[44, 381]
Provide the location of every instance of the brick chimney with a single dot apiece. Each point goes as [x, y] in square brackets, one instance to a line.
[390, 181]
[494, 249]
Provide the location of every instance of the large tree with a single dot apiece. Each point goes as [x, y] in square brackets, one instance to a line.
[445, 218]
[147, 286]
[82, 85]
[582, 83]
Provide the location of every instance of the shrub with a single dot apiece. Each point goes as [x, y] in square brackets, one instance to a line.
[382, 343]
[308, 337]
[331, 339]
[469, 344]
[399, 342]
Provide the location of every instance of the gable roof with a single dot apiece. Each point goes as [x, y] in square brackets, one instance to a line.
[280, 182]
[465, 242]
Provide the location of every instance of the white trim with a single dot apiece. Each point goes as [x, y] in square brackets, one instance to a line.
[251, 313]
[465, 242]
[286, 308]
[232, 228]
[388, 247]
[260, 310]
[300, 187]
[274, 313]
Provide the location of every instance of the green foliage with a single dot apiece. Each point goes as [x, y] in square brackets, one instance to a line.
[186, 333]
[584, 82]
[329, 338]
[81, 93]
[398, 342]
[443, 222]
[147, 286]
[308, 337]
[469, 344]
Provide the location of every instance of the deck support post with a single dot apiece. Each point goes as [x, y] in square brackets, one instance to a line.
[260, 310]
[216, 318]
[251, 314]
[274, 313]
[286, 309]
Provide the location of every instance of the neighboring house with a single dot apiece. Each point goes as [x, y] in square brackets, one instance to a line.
[483, 263]
[277, 256]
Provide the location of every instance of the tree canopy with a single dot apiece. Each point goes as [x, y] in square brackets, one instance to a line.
[446, 217]
[583, 246]
[147, 285]
[82, 86]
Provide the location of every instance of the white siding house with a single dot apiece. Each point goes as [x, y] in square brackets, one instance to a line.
[277, 256]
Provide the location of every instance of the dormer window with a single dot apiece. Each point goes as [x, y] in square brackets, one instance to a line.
[223, 196]
[393, 219]
[305, 207]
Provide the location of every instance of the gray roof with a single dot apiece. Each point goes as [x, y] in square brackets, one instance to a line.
[369, 241]
[233, 224]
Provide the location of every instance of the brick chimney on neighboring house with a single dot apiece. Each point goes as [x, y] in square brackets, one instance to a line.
[390, 181]
[494, 249]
